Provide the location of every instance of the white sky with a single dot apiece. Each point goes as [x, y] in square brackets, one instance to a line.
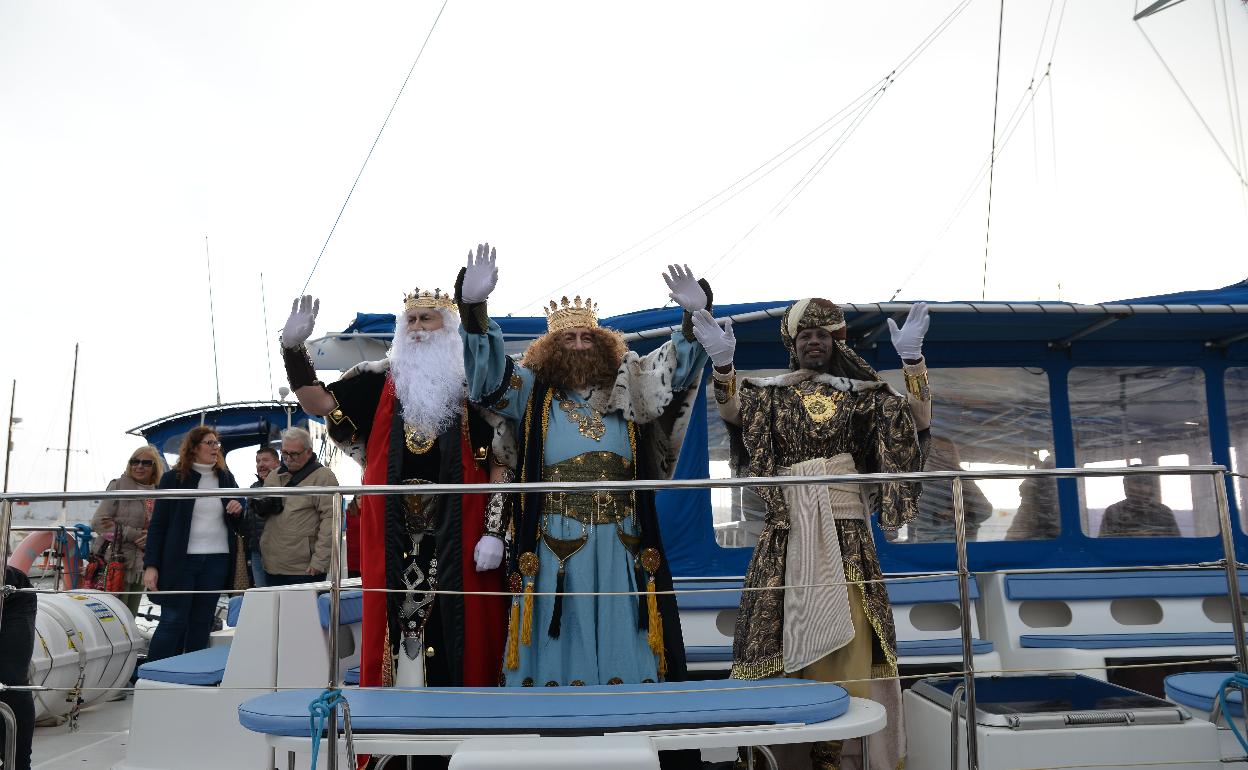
[562, 132]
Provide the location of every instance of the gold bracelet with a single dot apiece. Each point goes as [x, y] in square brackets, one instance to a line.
[917, 385]
[725, 389]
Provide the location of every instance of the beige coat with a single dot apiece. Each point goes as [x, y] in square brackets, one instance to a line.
[301, 535]
[132, 515]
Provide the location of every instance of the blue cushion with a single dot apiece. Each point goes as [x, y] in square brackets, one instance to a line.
[926, 590]
[1120, 585]
[353, 676]
[1198, 690]
[916, 647]
[1108, 641]
[236, 607]
[559, 710]
[711, 653]
[204, 668]
[707, 599]
[350, 608]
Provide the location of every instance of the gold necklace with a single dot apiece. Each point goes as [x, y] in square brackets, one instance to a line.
[589, 424]
[417, 443]
[820, 407]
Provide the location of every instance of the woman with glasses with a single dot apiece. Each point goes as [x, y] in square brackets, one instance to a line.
[191, 546]
[125, 522]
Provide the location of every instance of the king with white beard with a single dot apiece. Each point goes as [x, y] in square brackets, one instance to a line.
[406, 420]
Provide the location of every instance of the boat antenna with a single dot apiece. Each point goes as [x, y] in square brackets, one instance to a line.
[8, 447]
[268, 353]
[69, 433]
[212, 319]
[376, 139]
[992, 159]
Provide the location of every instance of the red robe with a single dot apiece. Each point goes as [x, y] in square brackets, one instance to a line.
[485, 631]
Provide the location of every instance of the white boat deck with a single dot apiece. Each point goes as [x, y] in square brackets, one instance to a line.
[98, 743]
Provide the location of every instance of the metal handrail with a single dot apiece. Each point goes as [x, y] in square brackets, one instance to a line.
[624, 486]
[1217, 472]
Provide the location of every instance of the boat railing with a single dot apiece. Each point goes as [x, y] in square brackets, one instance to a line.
[1217, 473]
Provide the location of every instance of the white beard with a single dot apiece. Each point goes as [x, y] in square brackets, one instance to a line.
[428, 372]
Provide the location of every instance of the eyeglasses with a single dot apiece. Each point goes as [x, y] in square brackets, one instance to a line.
[211, 442]
[141, 462]
[293, 454]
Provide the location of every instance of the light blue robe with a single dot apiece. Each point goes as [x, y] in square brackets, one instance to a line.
[599, 640]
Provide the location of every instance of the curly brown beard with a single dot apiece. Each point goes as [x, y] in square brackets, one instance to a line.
[576, 369]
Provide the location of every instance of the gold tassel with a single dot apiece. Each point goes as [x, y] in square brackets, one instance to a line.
[513, 636]
[655, 636]
[526, 630]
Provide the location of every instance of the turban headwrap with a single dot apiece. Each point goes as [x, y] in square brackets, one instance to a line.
[819, 313]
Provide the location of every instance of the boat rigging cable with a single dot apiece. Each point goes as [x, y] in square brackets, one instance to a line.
[1145, 14]
[376, 139]
[728, 257]
[992, 161]
[771, 164]
[1231, 85]
[1025, 103]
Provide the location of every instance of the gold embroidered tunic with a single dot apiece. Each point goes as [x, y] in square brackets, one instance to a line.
[803, 416]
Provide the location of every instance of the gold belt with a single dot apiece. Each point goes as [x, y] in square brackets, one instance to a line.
[591, 507]
[418, 508]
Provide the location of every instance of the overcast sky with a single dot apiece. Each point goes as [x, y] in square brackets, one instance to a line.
[563, 132]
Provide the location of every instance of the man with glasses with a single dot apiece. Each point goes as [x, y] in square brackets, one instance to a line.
[298, 531]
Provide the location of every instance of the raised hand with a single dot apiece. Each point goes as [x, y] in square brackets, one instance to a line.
[480, 275]
[301, 321]
[685, 290]
[718, 342]
[908, 340]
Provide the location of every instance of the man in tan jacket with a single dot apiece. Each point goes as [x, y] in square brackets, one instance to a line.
[298, 532]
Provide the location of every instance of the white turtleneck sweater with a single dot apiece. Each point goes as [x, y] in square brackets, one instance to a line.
[208, 533]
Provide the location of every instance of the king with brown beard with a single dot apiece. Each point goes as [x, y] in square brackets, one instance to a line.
[407, 421]
[587, 568]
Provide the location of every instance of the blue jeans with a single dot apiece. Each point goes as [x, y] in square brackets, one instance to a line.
[186, 619]
[257, 570]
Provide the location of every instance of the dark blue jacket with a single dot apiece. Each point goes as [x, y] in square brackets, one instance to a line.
[170, 530]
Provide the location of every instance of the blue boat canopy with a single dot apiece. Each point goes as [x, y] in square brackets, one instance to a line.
[241, 424]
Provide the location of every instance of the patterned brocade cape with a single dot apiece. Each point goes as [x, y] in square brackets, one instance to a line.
[868, 421]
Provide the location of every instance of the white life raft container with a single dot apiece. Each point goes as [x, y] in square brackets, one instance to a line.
[85, 646]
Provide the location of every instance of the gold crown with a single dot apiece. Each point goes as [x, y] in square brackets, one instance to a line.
[420, 298]
[569, 315]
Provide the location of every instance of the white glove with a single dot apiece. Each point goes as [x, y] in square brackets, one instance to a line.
[685, 290]
[302, 318]
[489, 553]
[481, 276]
[908, 340]
[719, 343]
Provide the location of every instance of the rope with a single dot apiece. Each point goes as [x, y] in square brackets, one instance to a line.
[992, 159]
[1240, 682]
[319, 712]
[376, 139]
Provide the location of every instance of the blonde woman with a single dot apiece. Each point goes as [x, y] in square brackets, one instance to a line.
[126, 521]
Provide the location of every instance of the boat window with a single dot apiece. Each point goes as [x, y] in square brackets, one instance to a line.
[987, 419]
[1125, 416]
[1237, 422]
[737, 513]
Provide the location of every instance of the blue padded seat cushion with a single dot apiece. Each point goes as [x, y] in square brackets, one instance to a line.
[718, 599]
[204, 668]
[1198, 690]
[711, 653]
[352, 676]
[350, 608]
[926, 590]
[916, 647]
[1120, 585]
[588, 710]
[236, 607]
[1110, 641]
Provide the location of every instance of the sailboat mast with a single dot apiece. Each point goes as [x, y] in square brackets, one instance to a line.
[69, 433]
[212, 318]
[8, 447]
